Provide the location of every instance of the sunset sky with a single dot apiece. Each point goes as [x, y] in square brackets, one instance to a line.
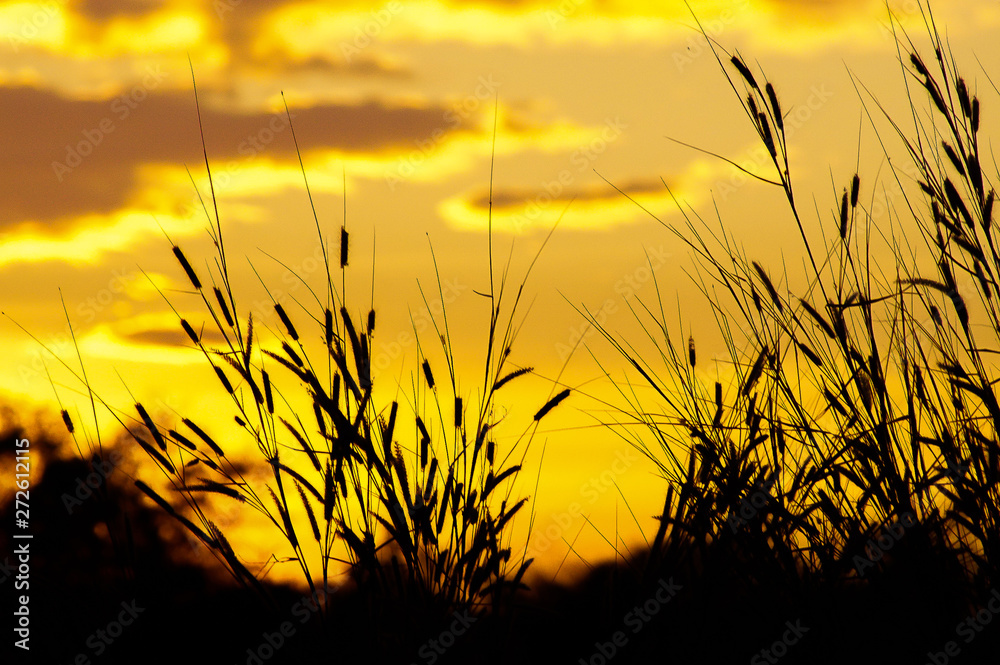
[396, 101]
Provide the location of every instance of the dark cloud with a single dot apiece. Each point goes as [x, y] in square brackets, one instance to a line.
[241, 22]
[515, 197]
[45, 138]
[103, 10]
[794, 11]
[173, 338]
[361, 67]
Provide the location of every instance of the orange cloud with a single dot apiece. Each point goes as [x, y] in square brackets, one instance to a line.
[89, 152]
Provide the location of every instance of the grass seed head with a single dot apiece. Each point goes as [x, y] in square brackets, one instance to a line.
[190, 331]
[779, 121]
[771, 291]
[953, 157]
[551, 404]
[963, 98]
[843, 216]
[223, 306]
[343, 246]
[269, 398]
[67, 421]
[765, 129]
[744, 72]
[956, 202]
[187, 267]
[427, 374]
[286, 321]
[223, 379]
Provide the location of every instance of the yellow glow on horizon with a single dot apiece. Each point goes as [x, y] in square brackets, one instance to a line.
[417, 170]
[308, 29]
[542, 213]
[35, 24]
[91, 238]
[149, 289]
[102, 343]
[53, 28]
[165, 32]
[540, 210]
[161, 320]
[441, 155]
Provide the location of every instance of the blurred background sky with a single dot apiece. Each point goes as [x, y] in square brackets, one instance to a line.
[393, 106]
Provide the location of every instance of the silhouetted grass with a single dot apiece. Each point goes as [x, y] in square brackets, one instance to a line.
[416, 502]
[844, 476]
[861, 409]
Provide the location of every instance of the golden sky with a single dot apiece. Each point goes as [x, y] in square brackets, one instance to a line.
[396, 102]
